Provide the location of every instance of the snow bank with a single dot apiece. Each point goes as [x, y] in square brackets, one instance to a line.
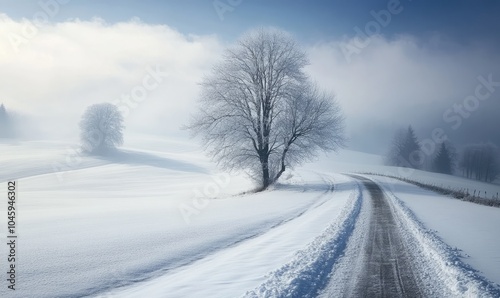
[440, 266]
[230, 271]
[307, 273]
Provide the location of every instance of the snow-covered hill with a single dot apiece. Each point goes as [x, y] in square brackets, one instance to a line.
[159, 220]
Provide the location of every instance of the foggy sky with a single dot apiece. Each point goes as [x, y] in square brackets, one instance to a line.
[403, 75]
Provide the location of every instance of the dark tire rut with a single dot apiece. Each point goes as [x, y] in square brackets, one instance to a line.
[386, 264]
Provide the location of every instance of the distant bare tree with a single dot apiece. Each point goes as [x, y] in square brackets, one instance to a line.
[481, 162]
[260, 112]
[101, 128]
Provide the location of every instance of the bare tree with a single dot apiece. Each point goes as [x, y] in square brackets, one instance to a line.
[260, 112]
[481, 162]
[101, 128]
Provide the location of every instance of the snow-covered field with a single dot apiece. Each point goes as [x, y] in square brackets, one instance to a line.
[358, 162]
[158, 220]
[470, 229]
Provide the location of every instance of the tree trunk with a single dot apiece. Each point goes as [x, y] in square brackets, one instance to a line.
[283, 167]
[266, 181]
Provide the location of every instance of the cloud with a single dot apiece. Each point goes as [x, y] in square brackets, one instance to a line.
[67, 66]
[401, 81]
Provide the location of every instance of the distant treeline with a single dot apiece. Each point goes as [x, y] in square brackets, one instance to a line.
[6, 123]
[474, 161]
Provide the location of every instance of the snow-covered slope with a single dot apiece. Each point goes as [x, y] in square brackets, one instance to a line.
[159, 218]
[469, 228]
[244, 265]
[359, 162]
[108, 223]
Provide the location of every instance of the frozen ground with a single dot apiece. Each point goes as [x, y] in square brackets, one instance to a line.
[393, 253]
[358, 162]
[470, 228]
[158, 220]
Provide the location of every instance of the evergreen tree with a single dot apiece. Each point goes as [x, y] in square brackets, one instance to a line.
[405, 151]
[443, 162]
[4, 123]
[3, 113]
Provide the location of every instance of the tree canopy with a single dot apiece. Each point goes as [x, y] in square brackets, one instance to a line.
[101, 128]
[259, 111]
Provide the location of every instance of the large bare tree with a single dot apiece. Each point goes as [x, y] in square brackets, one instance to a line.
[260, 112]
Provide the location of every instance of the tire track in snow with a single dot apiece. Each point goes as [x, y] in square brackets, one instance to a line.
[386, 267]
[321, 200]
[252, 233]
[439, 266]
[307, 273]
[424, 266]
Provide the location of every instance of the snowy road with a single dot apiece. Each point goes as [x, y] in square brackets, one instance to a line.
[228, 272]
[386, 267]
[392, 254]
[317, 233]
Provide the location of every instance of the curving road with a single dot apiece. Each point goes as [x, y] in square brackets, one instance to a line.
[381, 266]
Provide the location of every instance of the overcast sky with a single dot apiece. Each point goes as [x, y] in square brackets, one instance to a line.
[390, 63]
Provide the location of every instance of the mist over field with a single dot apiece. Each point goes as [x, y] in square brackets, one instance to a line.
[416, 79]
[236, 148]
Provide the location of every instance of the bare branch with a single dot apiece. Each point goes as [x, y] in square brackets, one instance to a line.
[259, 112]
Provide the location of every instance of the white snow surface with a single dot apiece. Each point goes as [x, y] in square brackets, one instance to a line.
[158, 220]
[441, 267]
[244, 265]
[359, 162]
[470, 230]
[106, 225]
